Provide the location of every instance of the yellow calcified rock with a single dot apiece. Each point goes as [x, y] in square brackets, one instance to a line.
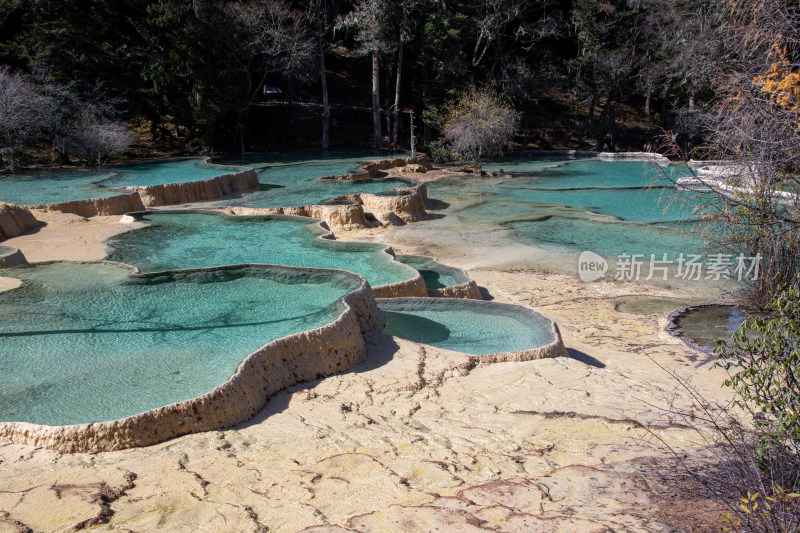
[408, 205]
[371, 170]
[113, 205]
[337, 217]
[15, 220]
[401, 289]
[384, 210]
[6, 284]
[468, 289]
[11, 257]
[197, 191]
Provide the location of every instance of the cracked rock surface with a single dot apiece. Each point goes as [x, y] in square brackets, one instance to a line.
[413, 439]
[419, 439]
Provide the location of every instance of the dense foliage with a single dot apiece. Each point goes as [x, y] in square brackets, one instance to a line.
[762, 359]
[582, 72]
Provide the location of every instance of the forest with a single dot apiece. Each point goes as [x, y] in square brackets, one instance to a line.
[81, 78]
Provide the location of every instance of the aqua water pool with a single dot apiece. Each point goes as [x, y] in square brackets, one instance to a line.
[562, 173]
[161, 172]
[65, 185]
[191, 239]
[53, 186]
[610, 207]
[468, 326]
[608, 238]
[288, 179]
[86, 342]
[435, 274]
[291, 178]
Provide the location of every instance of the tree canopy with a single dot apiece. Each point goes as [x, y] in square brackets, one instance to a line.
[190, 72]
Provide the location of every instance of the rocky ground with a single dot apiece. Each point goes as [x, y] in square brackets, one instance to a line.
[414, 438]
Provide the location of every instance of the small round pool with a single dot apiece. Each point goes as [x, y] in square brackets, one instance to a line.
[701, 326]
[435, 274]
[472, 326]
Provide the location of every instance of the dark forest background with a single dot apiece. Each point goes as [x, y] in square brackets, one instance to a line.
[186, 76]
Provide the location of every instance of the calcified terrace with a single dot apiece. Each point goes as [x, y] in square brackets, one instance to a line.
[333, 346]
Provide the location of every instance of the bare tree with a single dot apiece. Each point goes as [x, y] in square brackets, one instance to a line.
[87, 125]
[755, 125]
[478, 123]
[405, 33]
[365, 19]
[254, 42]
[320, 15]
[25, 112]
[96, 142]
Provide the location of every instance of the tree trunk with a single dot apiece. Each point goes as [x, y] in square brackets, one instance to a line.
[606, 125]
[665, 104]
[377, 133]
[396, 132]
[524, 132]
[591, 108]
[413, 138]
[208, 135]
[497, 56]
[427, 134]
[648, 101]
[691, 101]
[326, 107]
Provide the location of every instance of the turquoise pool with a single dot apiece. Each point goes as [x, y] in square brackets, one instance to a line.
[65, 185]
[291, 178]
[436, 275]
[465, 325]
[572, 205]
[53, 186]
[192, 239]
[160, 172]
[86, 342]
[287, 179]
[609, 238]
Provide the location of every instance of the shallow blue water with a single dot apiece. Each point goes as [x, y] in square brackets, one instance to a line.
[290, 178]
[436, 275]
[83, 342]
[53, 186]
[65, 185]
[610, 207]
[608, 238]
[160, 172]
[190, 240]
[464, 327]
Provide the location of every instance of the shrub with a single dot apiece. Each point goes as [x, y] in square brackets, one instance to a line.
[763, 361]
[479, 123]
